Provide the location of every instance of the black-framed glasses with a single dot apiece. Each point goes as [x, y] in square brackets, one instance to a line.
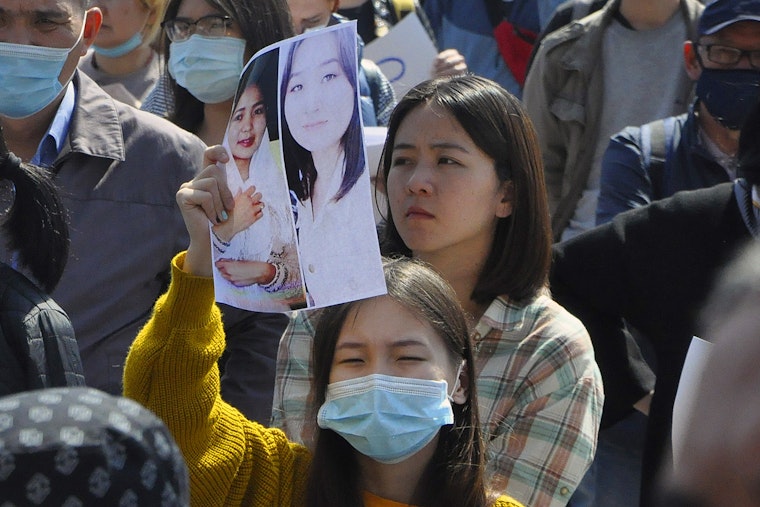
[726, 55]
[213, 25]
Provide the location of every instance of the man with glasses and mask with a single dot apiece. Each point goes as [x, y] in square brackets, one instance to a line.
[696, 149]
[118, 170]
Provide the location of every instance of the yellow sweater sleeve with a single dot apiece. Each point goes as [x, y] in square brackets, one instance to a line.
[172, 370]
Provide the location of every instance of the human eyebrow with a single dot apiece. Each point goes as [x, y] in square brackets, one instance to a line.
[449, 146]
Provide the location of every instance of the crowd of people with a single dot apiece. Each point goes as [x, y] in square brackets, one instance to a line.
[569, 200]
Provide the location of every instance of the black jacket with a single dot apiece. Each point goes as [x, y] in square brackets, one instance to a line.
[37, 344]
[654, 267]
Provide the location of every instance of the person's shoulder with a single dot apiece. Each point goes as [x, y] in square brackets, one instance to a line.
[574, 32]
[154, 127]
[140, 129]
[18, 294]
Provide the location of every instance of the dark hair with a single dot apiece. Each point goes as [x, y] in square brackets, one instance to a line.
[749, 147]
[454, 477]
[262, 22]
[518, 263]
[36, 223]
[299, 164]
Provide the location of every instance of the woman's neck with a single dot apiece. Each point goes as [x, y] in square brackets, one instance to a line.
[648, 14]
[215, 118]
[462, 273]
[398, 482]
[243, 165]
[329, 164]
[126, 64]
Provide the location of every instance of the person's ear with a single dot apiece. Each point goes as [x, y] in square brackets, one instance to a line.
[691, 62]
[462, 392]
[506, 199]
[92, 21]
[336, 6]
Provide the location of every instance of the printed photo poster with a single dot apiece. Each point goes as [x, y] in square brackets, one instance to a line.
[302, 233]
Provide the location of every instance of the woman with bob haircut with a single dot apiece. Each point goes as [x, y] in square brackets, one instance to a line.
[465, 187]
[390, 358]
[324, 160]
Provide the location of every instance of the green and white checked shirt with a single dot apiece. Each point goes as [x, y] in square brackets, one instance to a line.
[539, 393]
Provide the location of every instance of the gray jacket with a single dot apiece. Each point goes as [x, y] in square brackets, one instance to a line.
[118, 174]
[562, 95]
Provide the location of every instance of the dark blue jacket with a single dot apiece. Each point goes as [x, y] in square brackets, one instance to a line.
[631, 177]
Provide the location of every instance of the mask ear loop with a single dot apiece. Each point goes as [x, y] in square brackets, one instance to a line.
[457, 382]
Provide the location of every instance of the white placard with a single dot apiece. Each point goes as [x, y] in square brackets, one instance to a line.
[686, 396]
[405, 54]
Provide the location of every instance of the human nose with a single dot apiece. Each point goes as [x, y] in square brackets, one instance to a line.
[419, 180]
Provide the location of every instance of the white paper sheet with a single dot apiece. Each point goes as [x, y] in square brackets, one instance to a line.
[686, 396]
[405, 54]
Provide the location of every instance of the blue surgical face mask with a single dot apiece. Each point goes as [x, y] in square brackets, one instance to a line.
[122, 49]
[729, 94]
[386, 418]
[29, 77]
[207, 67]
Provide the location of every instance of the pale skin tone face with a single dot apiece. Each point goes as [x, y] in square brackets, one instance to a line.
[246, 128]
[742, 35]
[381, 336]
[121, 20]
[319, 98]
[216, 116]
[445, 196]
[306, 14]
[48, 23]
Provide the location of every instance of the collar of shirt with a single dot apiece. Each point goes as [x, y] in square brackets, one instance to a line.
[52, 142]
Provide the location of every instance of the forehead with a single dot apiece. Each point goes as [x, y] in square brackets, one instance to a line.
[438, 122]
[382, 321]
[740, 32]
[314, 52]
[27, 7]
[308, 8]
[196, 9]
[251, 94]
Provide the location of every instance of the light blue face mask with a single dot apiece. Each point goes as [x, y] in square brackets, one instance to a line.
[386, 418]
[122, 49]
[207, 67]
[29, 77]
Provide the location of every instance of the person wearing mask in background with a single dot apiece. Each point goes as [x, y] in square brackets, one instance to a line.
[377, 96]
[620, 66]
[696, 149]
[652, 268]
[37, 344]
[206, 45]
[102, 153]
[123, 60]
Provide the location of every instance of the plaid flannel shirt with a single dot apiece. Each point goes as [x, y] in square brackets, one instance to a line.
[539, 389]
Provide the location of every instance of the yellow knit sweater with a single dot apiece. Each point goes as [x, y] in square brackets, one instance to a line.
[172, 370]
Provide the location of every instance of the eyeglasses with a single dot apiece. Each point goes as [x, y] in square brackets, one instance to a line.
[213, 25]
[726, 55]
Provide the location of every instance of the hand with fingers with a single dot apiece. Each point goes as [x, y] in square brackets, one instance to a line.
[245, 273]
[206, 198]
[248, 209]
[449, 62]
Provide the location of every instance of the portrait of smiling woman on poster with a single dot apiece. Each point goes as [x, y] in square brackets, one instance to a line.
[324, 158]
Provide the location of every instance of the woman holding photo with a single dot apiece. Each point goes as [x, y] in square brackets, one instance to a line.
[325, 164]
[466, 194]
